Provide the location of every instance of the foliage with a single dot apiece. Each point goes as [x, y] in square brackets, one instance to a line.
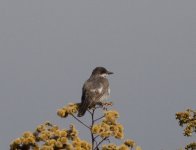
[188, 119]
[52, 138]
[49, 137]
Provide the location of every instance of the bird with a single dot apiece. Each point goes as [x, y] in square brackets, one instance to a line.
[95, 90]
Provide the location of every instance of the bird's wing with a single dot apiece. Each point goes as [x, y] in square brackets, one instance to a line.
[92, 92]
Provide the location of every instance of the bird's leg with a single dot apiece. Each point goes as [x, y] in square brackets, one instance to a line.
[89, 111]
[93, 109]
[105, 108]
[100, 104]
[104, 104]
[108, 103]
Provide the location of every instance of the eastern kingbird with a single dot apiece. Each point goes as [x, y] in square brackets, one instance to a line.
[95, 89]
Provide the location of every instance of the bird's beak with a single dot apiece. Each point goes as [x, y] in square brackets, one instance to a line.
[110, 72]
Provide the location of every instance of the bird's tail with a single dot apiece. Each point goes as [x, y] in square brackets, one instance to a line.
[83, 108]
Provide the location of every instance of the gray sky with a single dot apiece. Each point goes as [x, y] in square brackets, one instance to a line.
[48, 49]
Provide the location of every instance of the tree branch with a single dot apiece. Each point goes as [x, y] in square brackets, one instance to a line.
[92, 135]
[100, 143]
[99, 118]
[96, 136]
[81, 121]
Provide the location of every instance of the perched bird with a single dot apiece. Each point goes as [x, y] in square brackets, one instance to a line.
[95, 89]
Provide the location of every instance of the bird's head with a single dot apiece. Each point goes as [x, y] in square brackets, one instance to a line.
[101, 71]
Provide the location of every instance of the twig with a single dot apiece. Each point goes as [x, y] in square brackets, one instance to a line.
[81, 121]
[96, 136]
[95, 139]
[90, 112]
[99, 118]
[100, 143]
[92, 135]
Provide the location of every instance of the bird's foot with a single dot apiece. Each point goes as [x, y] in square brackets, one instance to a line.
[108, 103]
[100, 104]
[105, 108]
[104, 105]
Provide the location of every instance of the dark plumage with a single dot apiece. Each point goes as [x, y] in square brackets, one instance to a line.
[94, 90]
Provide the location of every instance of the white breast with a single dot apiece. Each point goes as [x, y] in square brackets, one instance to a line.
[106, 95]
[100, 89]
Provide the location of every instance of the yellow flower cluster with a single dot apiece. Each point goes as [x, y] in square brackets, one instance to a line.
[71, 108]
[191, 146]
[111, 117]
[81, 144]
[190, 128]
[129, 144]
[27, 139]
[183, 117]
[187, 118]
[50, 137]
[109, 126]
[72, 132]
[110, 147]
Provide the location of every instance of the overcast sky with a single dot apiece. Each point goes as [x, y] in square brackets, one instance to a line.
[49, 48]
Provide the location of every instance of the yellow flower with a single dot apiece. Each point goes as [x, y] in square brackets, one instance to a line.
[27, 134]
[73, 131]
[40, 128]
[57, 133]
[109, 147]
[101, 129]
[35, 148]
[72, 108]
[119, 135]
[112, 113]
[105, 126]
[63, 140]
[46, 147]
[111, 117]
[51, 142]
[120, 128]
[30, 140]
[76, 144]
[54, 128]
[130, 143]
[25, 141]
[43, 137]
[61, 113]
[104, 134]
[17, 141]
[58, 144]
[69, 147]
[63, 133]
[85, 145]
[95, 129]
[73, 135]
[123, 147]
[114, 128]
